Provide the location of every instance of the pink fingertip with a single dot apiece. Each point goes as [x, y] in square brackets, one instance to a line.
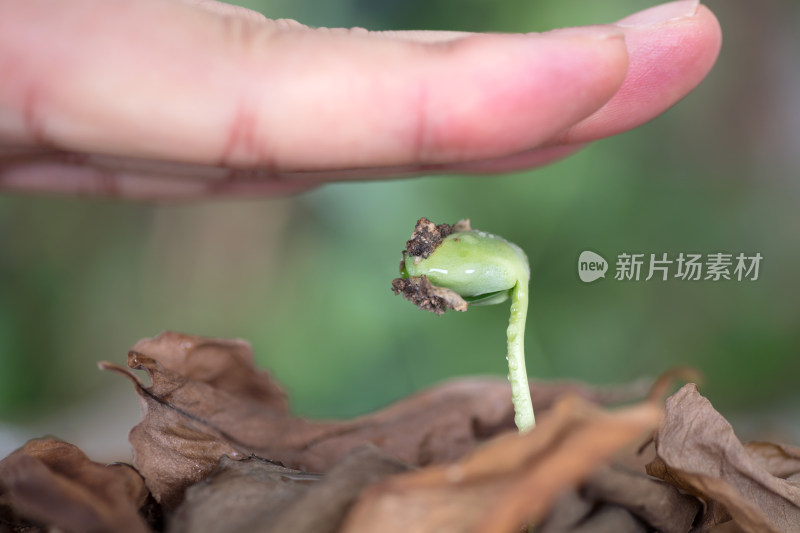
[669, 12]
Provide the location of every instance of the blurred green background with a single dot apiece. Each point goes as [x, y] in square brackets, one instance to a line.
[307, 279]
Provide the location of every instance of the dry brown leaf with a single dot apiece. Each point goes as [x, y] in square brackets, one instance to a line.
[197, 384]
[567, 513]
[657, 503]
[614, 491]
[608, 518]
[255, 496]
[777, 459]
[223, 364]
[207, 399]
[239, 496]
[727, 527]
[53, 483]
[508, 482]
[572, 513]
[332, 498]
[699, 452]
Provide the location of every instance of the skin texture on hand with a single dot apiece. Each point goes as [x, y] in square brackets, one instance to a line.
[161, 99]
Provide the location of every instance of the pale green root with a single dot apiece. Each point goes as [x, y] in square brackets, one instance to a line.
[517, 374]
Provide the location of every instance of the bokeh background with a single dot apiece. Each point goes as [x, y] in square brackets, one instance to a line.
[307, 279]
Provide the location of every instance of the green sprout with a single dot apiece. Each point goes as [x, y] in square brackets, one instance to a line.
[453, 267]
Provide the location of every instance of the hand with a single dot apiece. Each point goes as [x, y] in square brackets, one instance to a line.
[182, 99]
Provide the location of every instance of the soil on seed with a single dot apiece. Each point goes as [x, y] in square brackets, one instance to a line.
[426, 237]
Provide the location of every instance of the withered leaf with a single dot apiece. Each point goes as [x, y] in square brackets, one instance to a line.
[207, 399]
[657, 503]
[508, 482]
[574, 514]
[779, 460]
[239, 496]
[333, 497]
[53, 483]
[699, 452]
[569, 510]
[613, 491]
[608, 518]
[254, 496]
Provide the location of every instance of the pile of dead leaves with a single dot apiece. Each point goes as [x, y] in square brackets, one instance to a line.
[218, 451]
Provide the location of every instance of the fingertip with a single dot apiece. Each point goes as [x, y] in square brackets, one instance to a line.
[669, 56]
[710, 31]
[515, 91]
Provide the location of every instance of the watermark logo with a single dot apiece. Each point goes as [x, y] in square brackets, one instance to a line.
[591, 266]
[718, 266]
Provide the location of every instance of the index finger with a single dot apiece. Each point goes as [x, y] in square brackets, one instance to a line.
[162, 80]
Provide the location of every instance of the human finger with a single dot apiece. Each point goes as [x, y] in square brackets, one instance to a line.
[232, 92]
[671, 49]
